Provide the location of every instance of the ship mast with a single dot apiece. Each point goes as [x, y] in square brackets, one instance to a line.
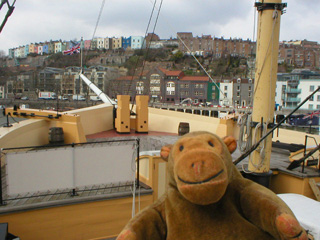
[265, 81]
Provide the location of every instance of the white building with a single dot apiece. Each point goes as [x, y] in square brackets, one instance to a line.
[293, 88]
[226, 87]
[307, 86]
[281, 87]
[57, 47]
[100, 43]
[40, 49]
[137, 42]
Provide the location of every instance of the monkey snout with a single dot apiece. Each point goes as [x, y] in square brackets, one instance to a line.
[198, 167]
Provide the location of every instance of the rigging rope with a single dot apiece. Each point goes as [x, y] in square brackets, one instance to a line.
[264, 61]
[255, 146]
[133, 168]
[95, 29]
[206, 72]
[8, 14]
[148, 48]
[145, 34]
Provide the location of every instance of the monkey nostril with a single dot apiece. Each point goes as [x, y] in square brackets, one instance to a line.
[192, 165]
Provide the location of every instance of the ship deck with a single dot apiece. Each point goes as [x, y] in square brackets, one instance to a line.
[279, 162]
[151, 141]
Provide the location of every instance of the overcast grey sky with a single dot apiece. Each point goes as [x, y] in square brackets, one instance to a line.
[38, 21]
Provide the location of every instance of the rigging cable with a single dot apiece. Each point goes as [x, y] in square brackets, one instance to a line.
[148, 48]
[95, 29]
[263, 126]
[8, 14]
[143, 42]
[133, 168]
[206, 72]
[264, 60]
[255, 146]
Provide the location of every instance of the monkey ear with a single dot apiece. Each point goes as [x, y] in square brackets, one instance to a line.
[231, 143]
[165, 151]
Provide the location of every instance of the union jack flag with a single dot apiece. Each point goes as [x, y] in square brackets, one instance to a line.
[75, 49]
[312, 114]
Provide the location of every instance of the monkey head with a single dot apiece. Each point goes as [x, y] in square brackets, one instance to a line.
[200, 166]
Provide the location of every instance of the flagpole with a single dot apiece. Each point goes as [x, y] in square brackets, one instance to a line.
[81, 53]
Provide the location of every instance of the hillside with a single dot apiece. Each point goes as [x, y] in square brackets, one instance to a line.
[222, 67]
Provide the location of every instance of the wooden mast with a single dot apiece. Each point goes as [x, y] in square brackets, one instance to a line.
[265, 80]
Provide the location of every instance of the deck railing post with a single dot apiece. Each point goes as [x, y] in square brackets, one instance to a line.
[138, 164]
[74, 193]
[1, 199]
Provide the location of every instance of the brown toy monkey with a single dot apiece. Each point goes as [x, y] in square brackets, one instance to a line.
[207, 198]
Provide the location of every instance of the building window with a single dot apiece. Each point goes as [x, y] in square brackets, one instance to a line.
[249, 88]
[238, 88]
[310, 106]
[225, 88]
[311, 88]
[318, 98]
[170, 88]
[238, 94]
[170, 92]
[311, 98]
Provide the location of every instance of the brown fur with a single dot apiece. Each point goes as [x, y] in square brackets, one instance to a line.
[207, 198]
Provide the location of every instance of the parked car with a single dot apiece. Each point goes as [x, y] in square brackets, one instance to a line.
[63, 98]
[78, 98]
[25, 98]
[94, 98]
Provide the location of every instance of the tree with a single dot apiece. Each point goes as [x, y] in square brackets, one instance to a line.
[177, 56]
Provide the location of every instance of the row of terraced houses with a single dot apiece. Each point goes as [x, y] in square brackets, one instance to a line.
[52, 47]
[294, 53]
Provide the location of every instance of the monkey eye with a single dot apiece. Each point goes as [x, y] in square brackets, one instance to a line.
[211, 143]
[181, 148]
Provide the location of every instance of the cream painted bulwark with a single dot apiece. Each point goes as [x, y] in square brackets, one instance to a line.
[95, 119]
[290, 136]
[35, 132]
[24, 134]
[168, 121]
